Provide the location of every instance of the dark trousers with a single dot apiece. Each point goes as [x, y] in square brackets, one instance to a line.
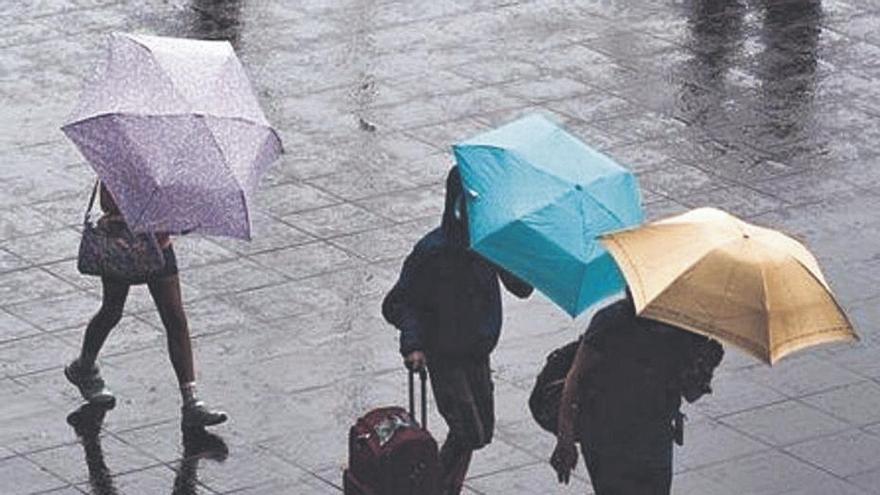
[615, 472]
[463, 391]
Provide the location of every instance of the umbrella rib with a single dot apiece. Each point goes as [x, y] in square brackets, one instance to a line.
[147, 205]
[830, 295]
[605, 209]
[247, 215]
[182, 114]
[765, 300]
[686, 269]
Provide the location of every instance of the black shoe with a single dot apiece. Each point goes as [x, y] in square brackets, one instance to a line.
[90, 384]
[197, 415]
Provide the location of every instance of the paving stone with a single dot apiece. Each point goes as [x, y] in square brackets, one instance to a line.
[31, 284]
[193, 251]
[10, 262]
[738, 200]
[844, 454]
[66, 271]
[678, 181]
[801, 375]
[235, 275]
[807, 187]
[379, 244]
[251, 466]
[307, 260]
[30, 354]
[293, 197]
[21, 221]
[733, 393]
[784, 423]
[68, 310]
[693, 483]
[157, 479]
[533, 478]
[161, 442]
[869, 481]
[269, 233]
[15, 327]
[362, 182]
[286, 300]
[334, 221]
[54, 245]
[21, 476]
[765, 473]
[117, 456]
[829, 486]
[708, 442]
[858, 403]
[408, 205]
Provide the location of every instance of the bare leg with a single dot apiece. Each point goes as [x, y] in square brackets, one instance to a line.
[166, 295]
[83, 371]
[112, 305]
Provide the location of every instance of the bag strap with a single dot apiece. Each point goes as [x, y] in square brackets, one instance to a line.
[91, 201]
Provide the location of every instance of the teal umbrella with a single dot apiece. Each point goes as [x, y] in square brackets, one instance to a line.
[537, 198]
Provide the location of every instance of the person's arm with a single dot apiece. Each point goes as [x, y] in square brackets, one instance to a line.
[514, 285]
[164, 239]
[400, 309]
[564, 457]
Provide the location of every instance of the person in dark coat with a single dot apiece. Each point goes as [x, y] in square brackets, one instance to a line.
[622, 396]
[447, 306]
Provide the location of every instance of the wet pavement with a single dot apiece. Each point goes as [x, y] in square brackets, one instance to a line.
[766, 108]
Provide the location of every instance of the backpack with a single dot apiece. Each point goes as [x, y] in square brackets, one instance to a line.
[547, 392]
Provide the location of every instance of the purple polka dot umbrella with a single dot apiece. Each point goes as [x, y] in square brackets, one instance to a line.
[173, 128]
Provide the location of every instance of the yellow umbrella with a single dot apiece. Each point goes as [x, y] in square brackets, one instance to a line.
[712, 273]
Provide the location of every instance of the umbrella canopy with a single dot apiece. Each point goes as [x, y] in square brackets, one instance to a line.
[537, 197]
[712, 273]
[173, 128]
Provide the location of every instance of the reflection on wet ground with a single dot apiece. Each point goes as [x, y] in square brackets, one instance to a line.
[767, 108]
[87, 421]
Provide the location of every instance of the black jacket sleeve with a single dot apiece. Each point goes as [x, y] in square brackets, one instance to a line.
[401, 306]
[514, 285]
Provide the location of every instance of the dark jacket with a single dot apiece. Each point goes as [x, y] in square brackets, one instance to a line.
[630, 399]
[447, 300]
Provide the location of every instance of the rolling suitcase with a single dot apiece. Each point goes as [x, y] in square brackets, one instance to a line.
[389, 453]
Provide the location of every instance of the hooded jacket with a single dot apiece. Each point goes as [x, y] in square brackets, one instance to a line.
[447, 300]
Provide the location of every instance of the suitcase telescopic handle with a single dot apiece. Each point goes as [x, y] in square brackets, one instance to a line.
[423, 376]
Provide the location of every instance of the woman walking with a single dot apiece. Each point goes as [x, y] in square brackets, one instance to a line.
[164, 287]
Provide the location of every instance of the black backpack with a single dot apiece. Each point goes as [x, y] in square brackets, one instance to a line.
[706, 355]
[547, 392]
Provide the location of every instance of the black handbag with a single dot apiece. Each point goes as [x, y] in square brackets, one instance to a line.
[110, 249]
[547, 392]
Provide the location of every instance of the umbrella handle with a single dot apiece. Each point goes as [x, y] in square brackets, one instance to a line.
[91, 202]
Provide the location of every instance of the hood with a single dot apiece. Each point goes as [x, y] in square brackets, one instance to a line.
[455, 229]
